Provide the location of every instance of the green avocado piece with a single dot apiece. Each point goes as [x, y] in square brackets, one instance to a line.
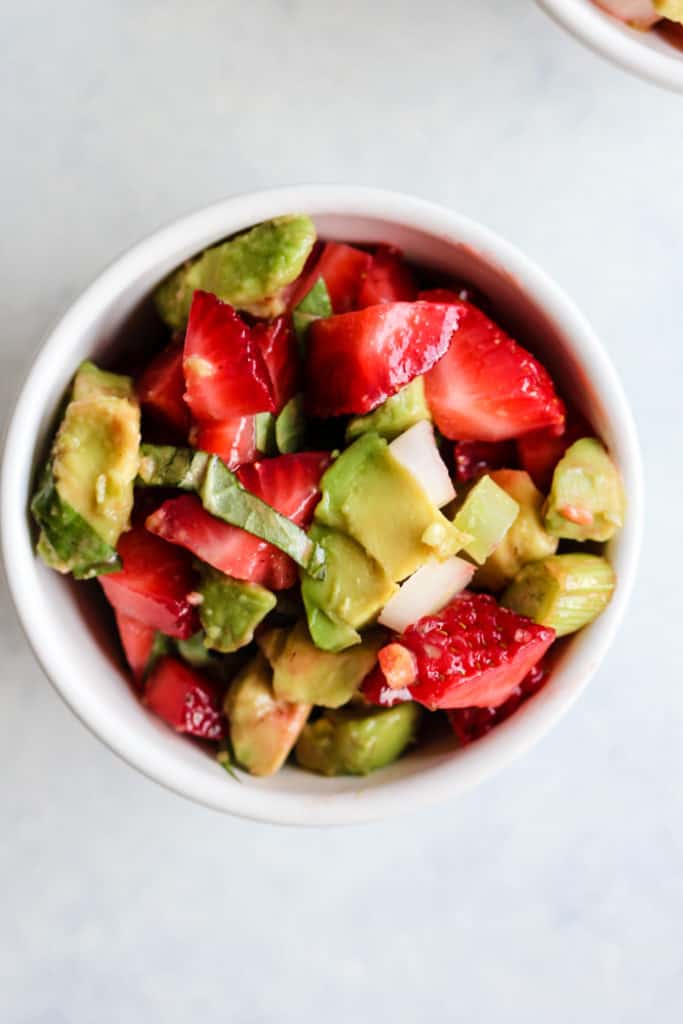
[264, 433]
[487, 514]
[352, 594]
[525, 541]
[357, 740]
[586, 500]
[223, 496]
[195, 651]
[302, 672]
[315, 305]
[565, 592]
[231, 609]
[400, 412]
[91, 382]
[248, 271]
[67, 542]
[272, 641]
[263, 729]
[369, 495]
[290, 426]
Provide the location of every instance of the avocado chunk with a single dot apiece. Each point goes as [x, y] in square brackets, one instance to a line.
[369, 495]
[586, 500]
[302, 672]
[357, 740]
[403, 410]
[231, 609]
[264, 433]
[565, 592]
[671, 9]
[248, 271]
[352, 594]
[315, 305]
[525, 541]
[290, 426]
[263, 729]
[85, 497]
[487, 514]
[224, 496]
[91, 382]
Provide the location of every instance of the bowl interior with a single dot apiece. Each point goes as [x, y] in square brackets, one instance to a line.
[69, 624]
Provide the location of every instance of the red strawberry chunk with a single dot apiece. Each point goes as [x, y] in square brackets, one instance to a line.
[153, 585]
[487, 387]
[137, 641]
[225, 373]
[388, 279]
[474, 458]
[278, 346]
[540, 451]
[342, 268]
[470, 724]
[185, 698]
[160, 391]
[357, 360]
[233, 440]
[473, 653]
[289, 483]
[376, 690]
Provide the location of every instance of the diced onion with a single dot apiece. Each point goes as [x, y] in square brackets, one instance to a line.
[426, 592]
[416, 450]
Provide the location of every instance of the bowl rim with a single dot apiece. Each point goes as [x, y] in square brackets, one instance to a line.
[508, 740]
[603, 34]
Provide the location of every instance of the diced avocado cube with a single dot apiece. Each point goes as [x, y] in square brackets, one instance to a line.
[85, 496]
[315, 305]
[586, 500]
[369, 495]
[194, 651]
[263, 729]
[91, 382]
[248, 271]
[393, 417]
[487, 514]
[272, 641]
[290, 426]
[302, 672]
[231, 610]
[525, 541]
[264, 433]
[357, 740]
[565, 592]
[352, 594]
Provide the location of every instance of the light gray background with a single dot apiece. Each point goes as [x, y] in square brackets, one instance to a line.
[554, 892]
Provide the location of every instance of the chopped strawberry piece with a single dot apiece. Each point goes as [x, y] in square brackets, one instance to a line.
[474, 458]
[185, 698]
[471, 724]
[540, 451]
[277, 342]
[289, 483]
[441, 295]
[357, 360]
[160, 391]
[154, 584]
[487, 387]
[473, 653]
[225, 373]
[342, 268]
[233, 440]
[388, 279]
[137, 641]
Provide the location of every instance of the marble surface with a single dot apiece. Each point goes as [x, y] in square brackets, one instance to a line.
[555, 891]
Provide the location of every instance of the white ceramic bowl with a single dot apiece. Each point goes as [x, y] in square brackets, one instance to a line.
[65, 623]
[643, 53]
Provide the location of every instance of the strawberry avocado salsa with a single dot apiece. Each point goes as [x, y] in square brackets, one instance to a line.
[339, 504]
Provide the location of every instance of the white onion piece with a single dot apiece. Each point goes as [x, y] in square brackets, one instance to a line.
[416, 450]
[426, 592]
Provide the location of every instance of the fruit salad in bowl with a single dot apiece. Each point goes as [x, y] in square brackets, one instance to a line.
[642, 36]
[319, 516]
[338, 500]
